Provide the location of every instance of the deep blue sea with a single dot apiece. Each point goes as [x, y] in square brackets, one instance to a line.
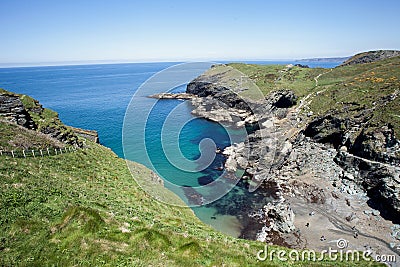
[96, 97]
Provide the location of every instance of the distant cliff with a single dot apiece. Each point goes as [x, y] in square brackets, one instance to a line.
[371, 56]
[329, 59]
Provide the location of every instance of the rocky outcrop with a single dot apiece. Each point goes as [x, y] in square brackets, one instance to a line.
[368, 154]
[371, 56]
[173, 96]
[380, 181]
[348, 154]
[215, 110]
[378, 144]
[327, 129]
[283, 99]
[28, 112]
[202, 88]
[12, 109]
[87, 134]
[276, 217]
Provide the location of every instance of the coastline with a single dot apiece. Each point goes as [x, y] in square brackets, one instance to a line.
[312, 180]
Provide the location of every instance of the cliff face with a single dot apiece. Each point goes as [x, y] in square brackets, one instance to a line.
[12, 109]
[371, 56]
[28, 112]
[339, 162]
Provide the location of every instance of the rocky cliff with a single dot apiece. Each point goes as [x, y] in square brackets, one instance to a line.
[341, 163]
[29, 113]
[12, 109]
[371, 56]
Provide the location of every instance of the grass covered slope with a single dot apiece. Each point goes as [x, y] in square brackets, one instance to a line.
[345, 90]
[84, 208]
[15, 137]
[28, 112]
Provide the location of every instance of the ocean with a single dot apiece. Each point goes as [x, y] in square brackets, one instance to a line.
[100, 97]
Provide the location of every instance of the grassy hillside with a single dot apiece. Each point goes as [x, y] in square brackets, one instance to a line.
[18, 138]
[346, 90]
[45, 120]
[84, 208]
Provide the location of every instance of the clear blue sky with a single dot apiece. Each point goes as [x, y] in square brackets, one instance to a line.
[46, 31]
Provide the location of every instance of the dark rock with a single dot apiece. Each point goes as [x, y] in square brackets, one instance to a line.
[371, 56]
[204, 180]
[327, 129]
[379, 144]
[13, 110]
[225, 95]
[283, 99]
[301, 66]
[380, 181]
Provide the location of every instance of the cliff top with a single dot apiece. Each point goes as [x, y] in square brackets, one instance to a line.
[343, 90]
[371, 56]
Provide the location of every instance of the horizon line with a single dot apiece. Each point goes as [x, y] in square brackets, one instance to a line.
[109, 62]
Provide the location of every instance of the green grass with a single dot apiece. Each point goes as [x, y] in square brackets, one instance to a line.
[274, 77]
[85, 208]
[20, 138]
[371, 86]
[341, 90]
[46, 120]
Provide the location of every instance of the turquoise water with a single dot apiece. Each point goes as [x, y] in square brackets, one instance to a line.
[98, 96]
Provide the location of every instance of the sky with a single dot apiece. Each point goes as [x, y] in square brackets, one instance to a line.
[174, 30]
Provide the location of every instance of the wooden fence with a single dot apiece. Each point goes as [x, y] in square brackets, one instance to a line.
[37, 153]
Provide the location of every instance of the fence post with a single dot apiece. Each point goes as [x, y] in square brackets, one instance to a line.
[1, 152]
[41, 153]
[48, 152]
[23, 152]
[55, 150]
[60, 151]
[12, 153]
[65, 148]
[33, 153]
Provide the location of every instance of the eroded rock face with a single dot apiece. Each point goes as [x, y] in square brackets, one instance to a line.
[371, 56]
[223, 94]
[327, 129]
[380, 181]
[379, 144]
[275, 216]
[12, 109]
[280, 215]
[283, 99]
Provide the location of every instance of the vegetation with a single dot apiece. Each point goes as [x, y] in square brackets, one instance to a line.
[84, 208]
[343, 90]
[14, 137]
[46, 121]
